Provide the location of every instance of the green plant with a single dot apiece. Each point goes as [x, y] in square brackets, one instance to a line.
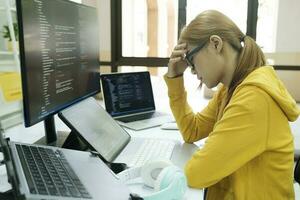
[6, 32]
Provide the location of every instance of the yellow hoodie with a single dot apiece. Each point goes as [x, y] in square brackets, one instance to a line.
[249, 152]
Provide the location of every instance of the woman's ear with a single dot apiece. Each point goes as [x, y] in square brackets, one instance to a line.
[216, 42]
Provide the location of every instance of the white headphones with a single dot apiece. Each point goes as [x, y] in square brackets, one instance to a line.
[168, 181]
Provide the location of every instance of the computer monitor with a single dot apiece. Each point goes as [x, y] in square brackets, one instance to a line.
[59, 58]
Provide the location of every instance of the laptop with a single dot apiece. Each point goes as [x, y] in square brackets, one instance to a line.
[128, 98]
[98, 129]
[43, 172]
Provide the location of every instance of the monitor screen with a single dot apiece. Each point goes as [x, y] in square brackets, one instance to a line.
[59, 55]
[127, 93]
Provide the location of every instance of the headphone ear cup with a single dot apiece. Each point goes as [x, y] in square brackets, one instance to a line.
[151, 171]
[172, 179]
[164, 174]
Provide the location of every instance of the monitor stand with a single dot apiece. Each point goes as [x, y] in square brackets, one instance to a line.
[65, 139]
[68, 140]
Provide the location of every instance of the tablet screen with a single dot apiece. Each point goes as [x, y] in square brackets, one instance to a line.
[96, 127]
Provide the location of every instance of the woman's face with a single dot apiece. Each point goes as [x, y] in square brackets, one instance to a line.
[209, 64]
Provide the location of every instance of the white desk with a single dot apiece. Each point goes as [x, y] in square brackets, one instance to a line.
[32, 134]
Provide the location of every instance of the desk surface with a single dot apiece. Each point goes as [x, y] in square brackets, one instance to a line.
[30, 135]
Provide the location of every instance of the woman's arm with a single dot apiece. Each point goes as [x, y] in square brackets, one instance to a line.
[193, 127]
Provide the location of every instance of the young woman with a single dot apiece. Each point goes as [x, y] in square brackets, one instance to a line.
[249, 151]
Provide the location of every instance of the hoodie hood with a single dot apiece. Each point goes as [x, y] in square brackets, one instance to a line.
[267, 79]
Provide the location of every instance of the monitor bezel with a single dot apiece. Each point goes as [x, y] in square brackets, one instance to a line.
[28, 121]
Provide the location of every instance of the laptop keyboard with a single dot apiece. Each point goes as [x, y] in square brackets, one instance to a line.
[153, 149]
[139, 117]
[49, 173]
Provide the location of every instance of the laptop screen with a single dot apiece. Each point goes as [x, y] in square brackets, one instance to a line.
[127, 93]
[9, 162]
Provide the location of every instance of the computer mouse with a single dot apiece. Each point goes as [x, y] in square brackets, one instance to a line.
[169, 126]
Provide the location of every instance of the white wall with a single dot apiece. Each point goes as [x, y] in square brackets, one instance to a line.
[288, 28]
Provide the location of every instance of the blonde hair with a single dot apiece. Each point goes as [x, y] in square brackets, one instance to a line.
[212, 22]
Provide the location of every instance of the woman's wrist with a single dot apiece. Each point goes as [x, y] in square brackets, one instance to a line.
[171, 74]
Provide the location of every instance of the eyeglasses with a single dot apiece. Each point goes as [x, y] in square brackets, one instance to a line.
[190, 54]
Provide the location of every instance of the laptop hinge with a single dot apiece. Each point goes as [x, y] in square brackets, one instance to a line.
[134, 114]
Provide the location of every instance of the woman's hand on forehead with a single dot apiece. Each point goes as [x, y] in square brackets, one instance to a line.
[181, 46]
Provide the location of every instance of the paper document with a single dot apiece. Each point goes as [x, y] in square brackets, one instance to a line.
[10, 84]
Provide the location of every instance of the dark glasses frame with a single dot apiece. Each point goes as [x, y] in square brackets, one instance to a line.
[189, 55]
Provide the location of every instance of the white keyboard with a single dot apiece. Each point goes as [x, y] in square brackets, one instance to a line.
[153, 149]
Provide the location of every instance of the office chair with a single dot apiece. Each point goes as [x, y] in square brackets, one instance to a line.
[297, 171]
